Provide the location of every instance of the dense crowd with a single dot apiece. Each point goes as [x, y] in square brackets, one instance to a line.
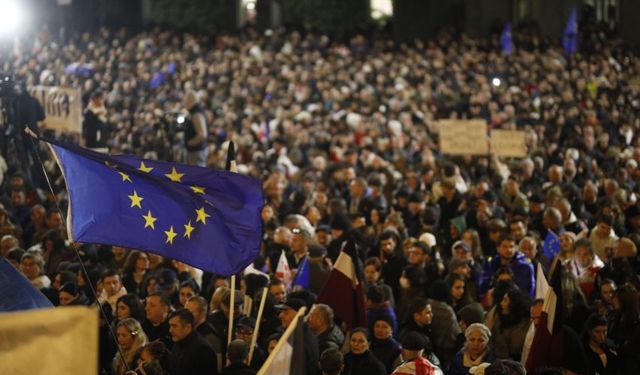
[344, 137]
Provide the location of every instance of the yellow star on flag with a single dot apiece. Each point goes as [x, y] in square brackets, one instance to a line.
[149, 220]
[188, 229]
[170, 235]
[135, 200]
[174, 175]
[144, 168]
[202, 216]
[197, 189]
[125, 177]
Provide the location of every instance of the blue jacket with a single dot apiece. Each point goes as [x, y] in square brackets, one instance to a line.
[523, 273]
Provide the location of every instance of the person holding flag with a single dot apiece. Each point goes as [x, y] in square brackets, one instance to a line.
[549, 342]
[308, 360]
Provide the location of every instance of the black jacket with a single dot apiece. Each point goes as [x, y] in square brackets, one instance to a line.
[311, 351]
[159, 332]
[363, 364]
[193, 356]
[331, 338]
[238, 369]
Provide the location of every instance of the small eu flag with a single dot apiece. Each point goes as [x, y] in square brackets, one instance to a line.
[207, 218]
[551, 245]
[302, 274]
[506, 41]
[570, 35]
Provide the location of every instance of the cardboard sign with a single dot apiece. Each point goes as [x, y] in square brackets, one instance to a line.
[463, 137]
[62, 107]
[509, 143]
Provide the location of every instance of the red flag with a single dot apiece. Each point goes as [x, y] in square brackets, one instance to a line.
[343, 290]
[546, 346]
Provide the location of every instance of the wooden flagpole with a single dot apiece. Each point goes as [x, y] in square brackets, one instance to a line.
[282, 341]
[256, 329]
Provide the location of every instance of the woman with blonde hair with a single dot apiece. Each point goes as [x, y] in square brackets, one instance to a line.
[216, 298]
[131, 338]
[32, 267]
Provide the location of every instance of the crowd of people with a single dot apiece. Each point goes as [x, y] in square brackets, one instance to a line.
[344, 137]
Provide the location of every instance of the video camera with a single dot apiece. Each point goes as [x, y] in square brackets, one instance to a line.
[8, 87]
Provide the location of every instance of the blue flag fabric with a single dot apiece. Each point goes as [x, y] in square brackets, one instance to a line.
[207, 218]
[570, 35]
[157, 80]
[302, 275]
[506, 41]
[551, 245]
[16, 292]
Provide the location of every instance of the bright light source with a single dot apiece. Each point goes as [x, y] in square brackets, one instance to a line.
[251, 5]
[381, 8]
[11, 17]
[496, 82]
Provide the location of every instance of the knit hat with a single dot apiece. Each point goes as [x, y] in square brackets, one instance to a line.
[460, 223]
[413, 341]
[385, 318]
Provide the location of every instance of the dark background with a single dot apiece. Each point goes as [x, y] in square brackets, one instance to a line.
[412, 18]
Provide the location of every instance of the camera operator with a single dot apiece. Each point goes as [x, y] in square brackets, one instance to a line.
[20, 110]
[195, 131]
[95, 128]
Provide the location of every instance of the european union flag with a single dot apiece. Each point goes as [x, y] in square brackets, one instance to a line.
[506, 41]
[302, 275]
[551, 245]
[570, 36]
[207, 218]
[16, 292]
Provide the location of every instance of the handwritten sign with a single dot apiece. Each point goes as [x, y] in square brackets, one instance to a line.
[463, 137]
[509, 143]
[62, 107]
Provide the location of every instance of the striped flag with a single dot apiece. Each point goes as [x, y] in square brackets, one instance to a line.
[288, 355]
[343, 290]
[283, 271]
[540, 352]
[541, 289]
